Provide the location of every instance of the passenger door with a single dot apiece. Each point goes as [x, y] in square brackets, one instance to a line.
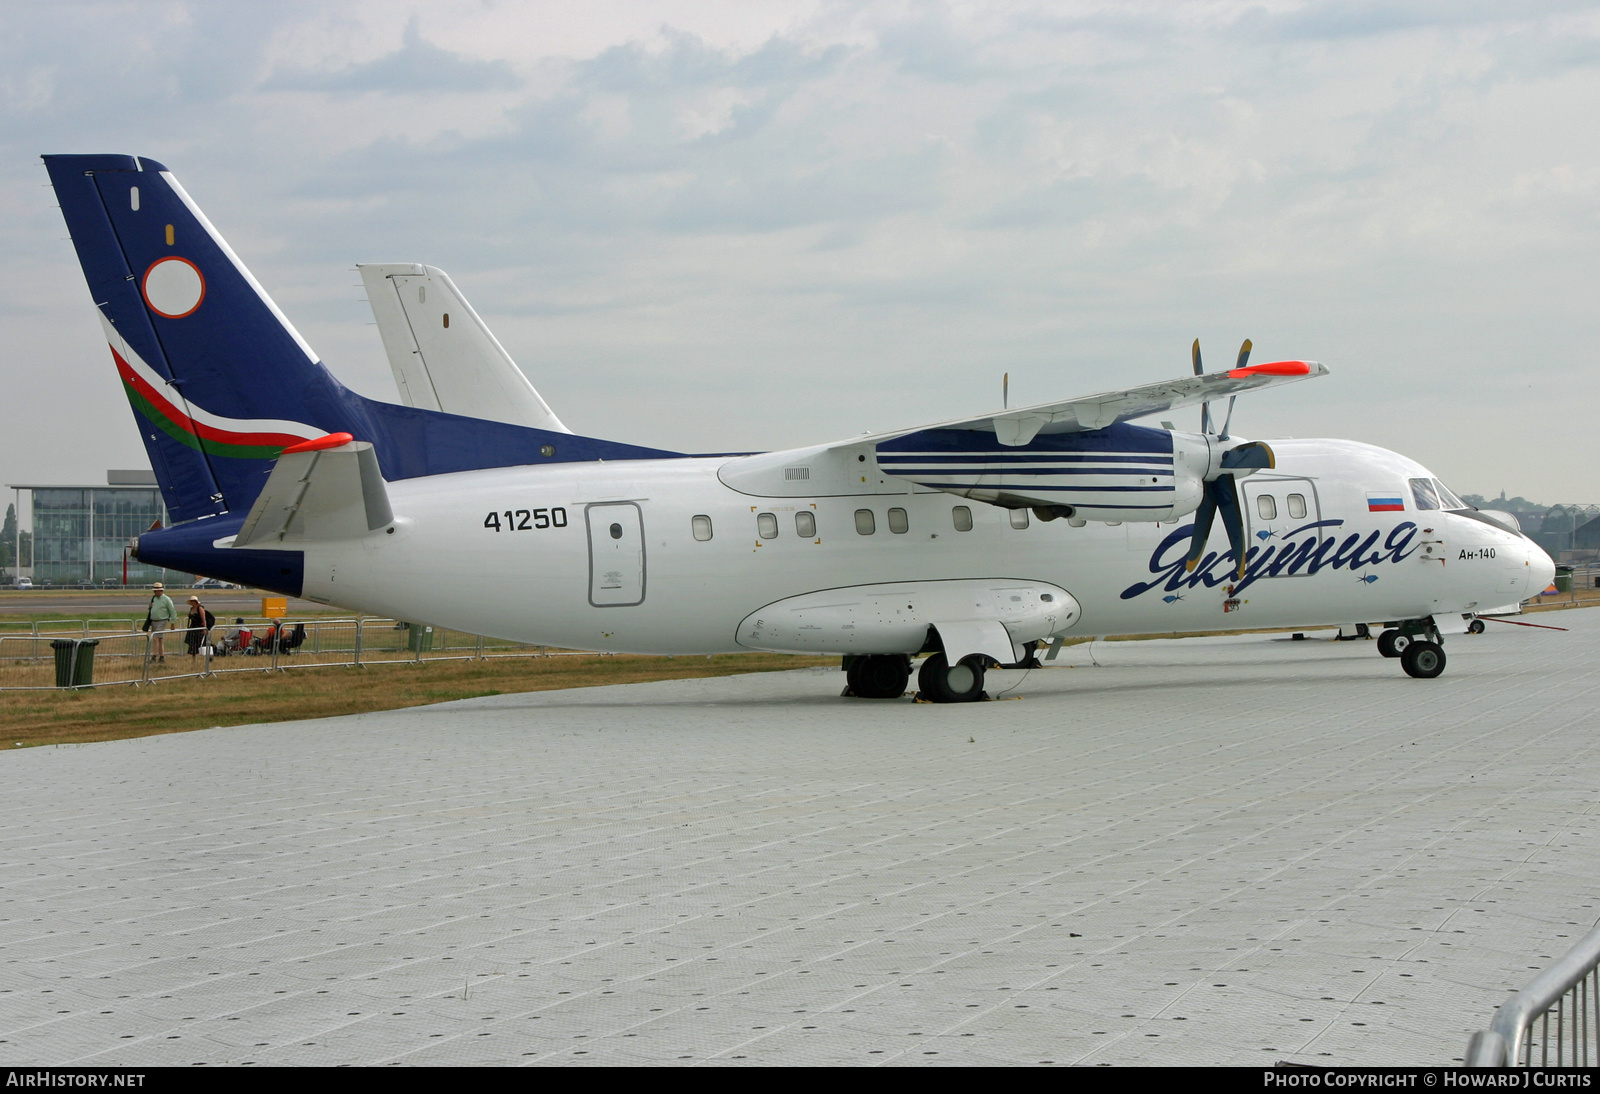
[616, 554]
[1274, 508]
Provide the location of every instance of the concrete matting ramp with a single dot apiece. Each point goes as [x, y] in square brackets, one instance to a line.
[1197, 851]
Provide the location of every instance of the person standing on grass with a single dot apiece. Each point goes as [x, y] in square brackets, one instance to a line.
[161, 616]
[200, 624]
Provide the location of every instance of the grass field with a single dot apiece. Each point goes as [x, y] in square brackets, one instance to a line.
[29, 718]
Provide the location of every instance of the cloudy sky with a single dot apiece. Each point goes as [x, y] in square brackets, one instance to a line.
[713, 226]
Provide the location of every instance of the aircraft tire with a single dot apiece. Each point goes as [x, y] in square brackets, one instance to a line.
[1476, 627]
[879, 676]
[1423, 660]
[940, 682]
[1392, 643]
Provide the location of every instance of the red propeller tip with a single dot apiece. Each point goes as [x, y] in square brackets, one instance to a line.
[1272, 368]
[317, 444]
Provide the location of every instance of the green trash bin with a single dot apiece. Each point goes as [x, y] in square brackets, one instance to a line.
[74, 661]
[1563, 580]
[419, 639]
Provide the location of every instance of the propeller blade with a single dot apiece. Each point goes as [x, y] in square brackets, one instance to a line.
[1199, 370]
[1226, 422]
[1227, 495]
[1244, 354]
[1203, 516]
[1221, 496]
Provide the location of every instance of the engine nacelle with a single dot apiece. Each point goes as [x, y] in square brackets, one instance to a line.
[1120, 473]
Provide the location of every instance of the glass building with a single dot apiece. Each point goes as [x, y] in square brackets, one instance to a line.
[80, 533]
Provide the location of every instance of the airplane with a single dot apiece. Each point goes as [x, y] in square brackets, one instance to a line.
[977, 541]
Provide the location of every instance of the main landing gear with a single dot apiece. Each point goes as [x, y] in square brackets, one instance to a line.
[939, 681]
[885, 675]
[877, 676]
[1418, 645]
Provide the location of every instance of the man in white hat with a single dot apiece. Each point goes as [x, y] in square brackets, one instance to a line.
[161, 616]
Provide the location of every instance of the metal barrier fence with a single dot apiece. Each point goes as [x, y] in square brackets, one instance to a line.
[1553, 1021]
[27, 661]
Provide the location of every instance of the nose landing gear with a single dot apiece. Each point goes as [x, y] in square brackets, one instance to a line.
[1418, 645]
[1423, 660]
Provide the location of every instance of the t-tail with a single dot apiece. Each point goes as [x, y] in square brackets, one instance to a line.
[219, 380]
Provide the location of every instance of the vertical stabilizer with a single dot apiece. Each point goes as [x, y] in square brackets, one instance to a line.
[218, 379]
[220, 382]
[443, 355]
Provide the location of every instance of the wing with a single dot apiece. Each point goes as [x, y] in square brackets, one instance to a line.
[1015, 428]
[851, 466]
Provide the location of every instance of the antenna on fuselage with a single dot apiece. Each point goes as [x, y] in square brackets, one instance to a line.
[1005, 392]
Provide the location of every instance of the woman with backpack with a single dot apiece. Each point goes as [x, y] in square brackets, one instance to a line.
[200, 623]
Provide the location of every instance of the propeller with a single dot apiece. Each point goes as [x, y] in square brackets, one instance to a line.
[1222, 496]
[1199, 370]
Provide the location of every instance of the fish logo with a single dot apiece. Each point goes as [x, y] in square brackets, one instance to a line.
[1367, 579]
[1265, 534]
[1172, 599]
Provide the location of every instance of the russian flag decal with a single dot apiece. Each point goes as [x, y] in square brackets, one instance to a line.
[1385, 503]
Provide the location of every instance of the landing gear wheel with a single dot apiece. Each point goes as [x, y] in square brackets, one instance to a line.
[880, 676]
[1392, 643]
[942, 682]
[1476, 627]
[1424, 660]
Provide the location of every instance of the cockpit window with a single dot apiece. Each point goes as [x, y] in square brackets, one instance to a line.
[1423, 493]
[1447, 499]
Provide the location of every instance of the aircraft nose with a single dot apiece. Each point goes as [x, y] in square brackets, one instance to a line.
[1541, 570]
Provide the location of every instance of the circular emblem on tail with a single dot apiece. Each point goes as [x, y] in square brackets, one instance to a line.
[173, 287]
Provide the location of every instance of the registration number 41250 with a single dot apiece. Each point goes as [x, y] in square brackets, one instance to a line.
[525, 520]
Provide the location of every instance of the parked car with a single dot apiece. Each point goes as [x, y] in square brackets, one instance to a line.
[24, 582]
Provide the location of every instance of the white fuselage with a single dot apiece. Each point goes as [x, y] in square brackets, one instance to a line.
[656, 588]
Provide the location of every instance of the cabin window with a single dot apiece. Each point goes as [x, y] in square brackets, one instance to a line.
[805, 524]
[702, 527]
[1297, 506]
[767, 525]
[1267, 507]
[1423, 493]
[865, 524]
[898, 524]
[1019, 518]
[962, 517]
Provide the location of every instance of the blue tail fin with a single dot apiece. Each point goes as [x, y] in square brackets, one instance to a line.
[219, 380]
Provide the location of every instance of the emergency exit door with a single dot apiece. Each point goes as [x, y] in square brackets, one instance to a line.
[616, 554]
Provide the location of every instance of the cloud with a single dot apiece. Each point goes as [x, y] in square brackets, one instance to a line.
[417, 66]
[864, 214]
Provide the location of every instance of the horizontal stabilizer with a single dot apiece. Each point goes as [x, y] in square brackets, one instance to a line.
[320, 494]
[443, 355]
